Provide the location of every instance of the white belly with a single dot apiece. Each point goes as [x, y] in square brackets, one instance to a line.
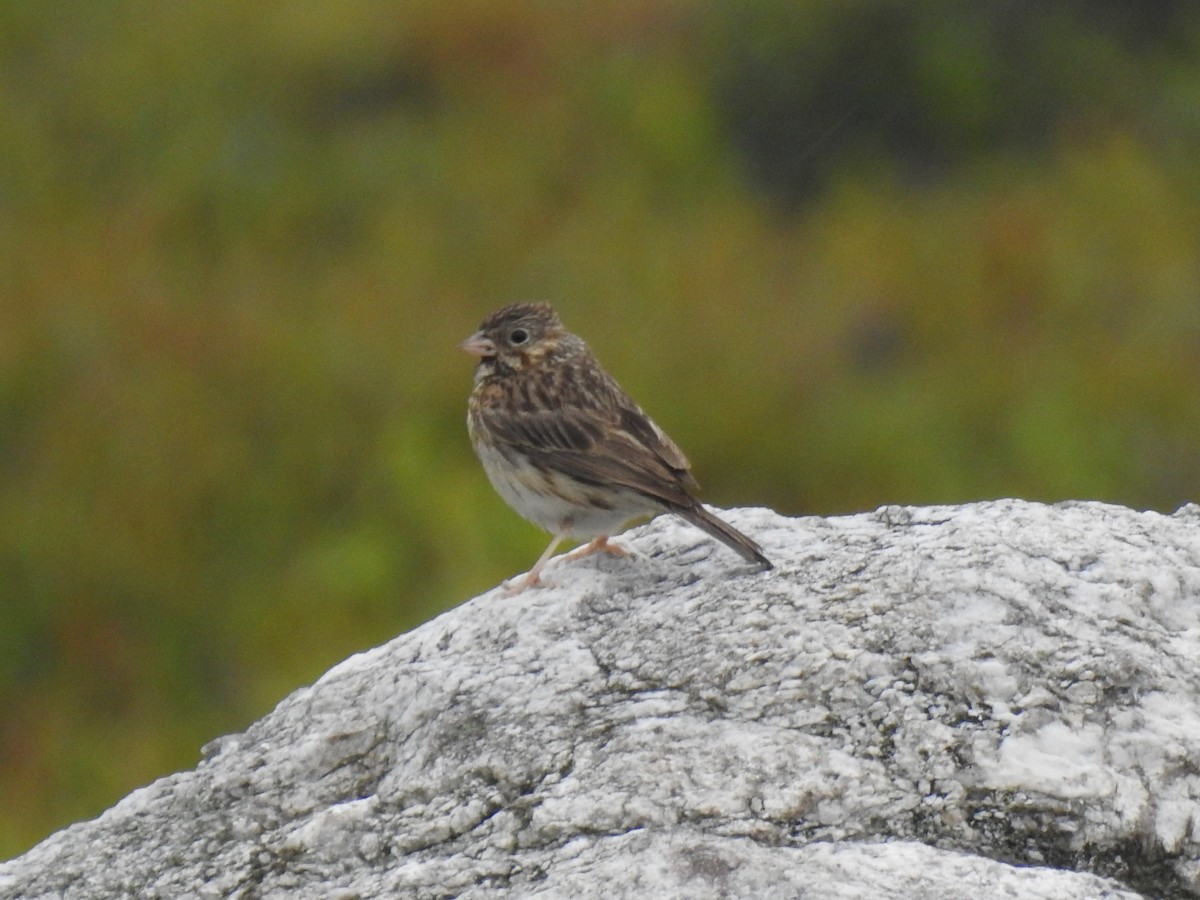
[558, 503]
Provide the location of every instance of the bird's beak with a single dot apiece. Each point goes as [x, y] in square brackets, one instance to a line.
[478, 345]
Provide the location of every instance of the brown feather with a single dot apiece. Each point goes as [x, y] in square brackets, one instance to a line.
[543, 397]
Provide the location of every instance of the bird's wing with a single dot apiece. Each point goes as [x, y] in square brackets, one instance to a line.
[600, 437]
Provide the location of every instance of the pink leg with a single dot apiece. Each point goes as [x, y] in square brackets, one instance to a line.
[534, 576]
[599, 545]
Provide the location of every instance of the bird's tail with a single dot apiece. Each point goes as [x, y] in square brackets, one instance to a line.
[725, 533]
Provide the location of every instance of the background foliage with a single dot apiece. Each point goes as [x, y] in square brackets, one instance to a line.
[848, 254]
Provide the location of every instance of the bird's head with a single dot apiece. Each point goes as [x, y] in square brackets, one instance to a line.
[517, 337]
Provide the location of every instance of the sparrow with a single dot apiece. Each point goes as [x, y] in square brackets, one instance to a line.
[566, 448]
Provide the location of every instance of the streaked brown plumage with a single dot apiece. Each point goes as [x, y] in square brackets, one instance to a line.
[566, 447]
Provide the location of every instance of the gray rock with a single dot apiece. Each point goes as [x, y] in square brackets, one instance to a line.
[1000, 699]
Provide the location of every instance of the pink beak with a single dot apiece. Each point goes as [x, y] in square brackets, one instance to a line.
[478, 345]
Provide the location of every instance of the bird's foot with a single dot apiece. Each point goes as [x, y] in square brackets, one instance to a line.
[530, 579]
[599, 545]
[533, 578]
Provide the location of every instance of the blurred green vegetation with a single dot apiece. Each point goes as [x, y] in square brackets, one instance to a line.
[847, 254]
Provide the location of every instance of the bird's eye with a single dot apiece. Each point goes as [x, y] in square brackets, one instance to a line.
[519, 336]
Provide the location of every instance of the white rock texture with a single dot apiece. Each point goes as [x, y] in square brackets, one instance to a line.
[994, 700]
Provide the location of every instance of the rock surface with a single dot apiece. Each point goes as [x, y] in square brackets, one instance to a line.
[1000, 699]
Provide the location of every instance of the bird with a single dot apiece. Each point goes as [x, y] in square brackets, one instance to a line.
[566, 447]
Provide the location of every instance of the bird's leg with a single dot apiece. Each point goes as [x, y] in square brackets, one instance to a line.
[599, 545]
[534, 576]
